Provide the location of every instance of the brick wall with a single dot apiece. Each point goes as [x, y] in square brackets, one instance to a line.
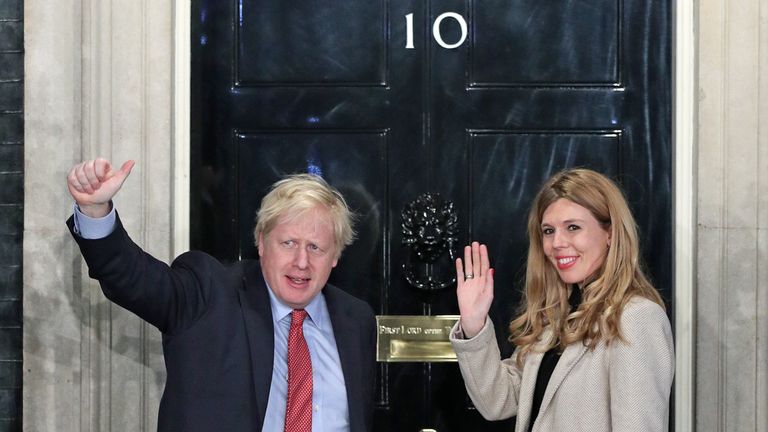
[11, 209]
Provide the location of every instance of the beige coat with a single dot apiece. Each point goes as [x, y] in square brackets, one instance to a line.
[619, 387]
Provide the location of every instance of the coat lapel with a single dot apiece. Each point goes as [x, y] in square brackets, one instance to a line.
[528, 384]
[347, 334]
[257, 314]
[568, 360]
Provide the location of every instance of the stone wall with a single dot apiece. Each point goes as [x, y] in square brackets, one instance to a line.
[98, 83]
[11, 210]
[732, 291]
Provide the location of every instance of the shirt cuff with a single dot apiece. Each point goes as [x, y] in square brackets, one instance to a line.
[457, 332]
[93, 228]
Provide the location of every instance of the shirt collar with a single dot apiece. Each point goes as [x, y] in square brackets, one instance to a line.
[316, 309]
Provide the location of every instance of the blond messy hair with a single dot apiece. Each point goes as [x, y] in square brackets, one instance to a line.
[605, 294]
[297, 194]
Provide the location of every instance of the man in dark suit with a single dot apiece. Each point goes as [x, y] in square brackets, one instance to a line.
[266, 345]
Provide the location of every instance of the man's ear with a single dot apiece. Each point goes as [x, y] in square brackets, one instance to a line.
[260, 245]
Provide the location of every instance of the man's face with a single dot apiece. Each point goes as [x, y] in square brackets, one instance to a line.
[297, 257]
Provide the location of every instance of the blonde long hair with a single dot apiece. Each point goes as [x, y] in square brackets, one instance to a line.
[604, 296]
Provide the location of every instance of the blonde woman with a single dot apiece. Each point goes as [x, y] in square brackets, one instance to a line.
[593, 344]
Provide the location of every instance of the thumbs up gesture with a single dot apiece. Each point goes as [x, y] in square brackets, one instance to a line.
[93, 183]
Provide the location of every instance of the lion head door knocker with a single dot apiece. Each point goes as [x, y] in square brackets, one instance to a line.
[429, 227]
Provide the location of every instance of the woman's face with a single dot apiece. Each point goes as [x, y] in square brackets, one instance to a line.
[574, 241]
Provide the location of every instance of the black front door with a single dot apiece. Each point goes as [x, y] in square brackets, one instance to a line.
[480, 108]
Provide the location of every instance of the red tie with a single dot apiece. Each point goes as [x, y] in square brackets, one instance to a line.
[298, 410]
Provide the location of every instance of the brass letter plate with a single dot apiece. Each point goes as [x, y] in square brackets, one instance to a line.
[414, 338]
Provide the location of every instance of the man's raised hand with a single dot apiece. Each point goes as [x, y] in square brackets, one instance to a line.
[93, 183]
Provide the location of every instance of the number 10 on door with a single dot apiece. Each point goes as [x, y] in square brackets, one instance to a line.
[436, 30]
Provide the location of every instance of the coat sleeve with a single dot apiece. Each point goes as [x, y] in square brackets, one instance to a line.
[641, 369]
[170, 298]
[492, 384]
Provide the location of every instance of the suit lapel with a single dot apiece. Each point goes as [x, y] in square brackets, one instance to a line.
[257, 314]
[346, 332]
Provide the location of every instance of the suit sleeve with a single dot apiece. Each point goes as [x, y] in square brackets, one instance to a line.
[493, 384]
[170, 298]
[641, 369]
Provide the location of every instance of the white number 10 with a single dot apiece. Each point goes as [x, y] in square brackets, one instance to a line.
[436, 30]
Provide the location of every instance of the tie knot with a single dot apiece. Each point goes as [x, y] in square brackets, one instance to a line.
[297, 317]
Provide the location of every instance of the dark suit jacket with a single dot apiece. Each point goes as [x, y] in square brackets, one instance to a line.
[218, 337]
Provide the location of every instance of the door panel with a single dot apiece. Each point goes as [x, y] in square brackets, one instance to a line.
[329, 87]
[305, 43]
[353, 161]
[512, 165]
[558, 43]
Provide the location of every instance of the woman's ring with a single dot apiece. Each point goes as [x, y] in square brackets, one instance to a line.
[469, 276]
